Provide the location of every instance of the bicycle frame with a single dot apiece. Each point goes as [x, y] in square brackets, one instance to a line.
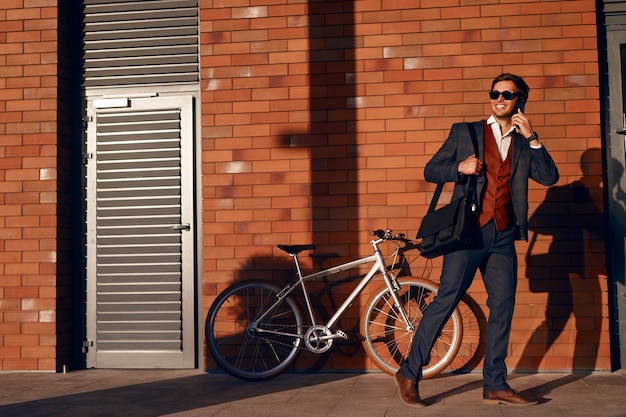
[378, 266]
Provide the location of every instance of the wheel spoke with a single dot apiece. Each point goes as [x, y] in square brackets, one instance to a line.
[386, 338]
[237, 347]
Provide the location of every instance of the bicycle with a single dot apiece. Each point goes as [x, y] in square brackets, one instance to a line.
[255, 329]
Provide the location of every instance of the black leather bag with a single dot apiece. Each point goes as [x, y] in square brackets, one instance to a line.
[448, 228]
[452, 226]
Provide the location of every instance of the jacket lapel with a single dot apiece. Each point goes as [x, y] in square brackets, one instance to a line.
[516, 148]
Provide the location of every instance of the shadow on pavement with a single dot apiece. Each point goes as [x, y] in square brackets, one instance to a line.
[112, 394]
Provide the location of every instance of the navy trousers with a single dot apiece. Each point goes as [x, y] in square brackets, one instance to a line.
[493, 253]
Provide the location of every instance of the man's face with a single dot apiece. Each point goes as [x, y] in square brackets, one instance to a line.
[501, 107]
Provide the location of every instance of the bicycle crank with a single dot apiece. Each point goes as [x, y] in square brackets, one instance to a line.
[318, 339]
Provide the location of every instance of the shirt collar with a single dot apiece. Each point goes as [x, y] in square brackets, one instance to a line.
[496, 129]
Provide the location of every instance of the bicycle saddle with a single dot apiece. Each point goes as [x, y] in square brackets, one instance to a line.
[295, 249]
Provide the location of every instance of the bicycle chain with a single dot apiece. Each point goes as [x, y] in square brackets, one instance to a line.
[302, 346]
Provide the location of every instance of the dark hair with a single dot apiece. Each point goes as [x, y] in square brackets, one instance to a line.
[521, 85]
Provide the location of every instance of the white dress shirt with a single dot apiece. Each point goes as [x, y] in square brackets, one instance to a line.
[503, 141]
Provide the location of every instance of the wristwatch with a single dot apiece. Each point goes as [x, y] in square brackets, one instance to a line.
[532, 137]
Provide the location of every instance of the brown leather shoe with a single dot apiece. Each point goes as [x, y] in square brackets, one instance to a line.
[408, 391]
[507, 396]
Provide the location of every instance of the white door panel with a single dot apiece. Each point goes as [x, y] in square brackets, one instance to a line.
[140, 244]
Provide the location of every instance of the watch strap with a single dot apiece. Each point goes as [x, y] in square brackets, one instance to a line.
[532, 137]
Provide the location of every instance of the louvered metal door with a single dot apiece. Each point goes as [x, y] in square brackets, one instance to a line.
[140, 268]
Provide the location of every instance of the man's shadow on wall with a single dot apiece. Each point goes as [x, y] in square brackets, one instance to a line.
[570, 272]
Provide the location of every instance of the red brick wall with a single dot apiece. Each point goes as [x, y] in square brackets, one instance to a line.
[318, 118]
[28, 185]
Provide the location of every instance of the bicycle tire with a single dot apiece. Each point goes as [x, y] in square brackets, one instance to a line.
[239, 350]
[385, 337]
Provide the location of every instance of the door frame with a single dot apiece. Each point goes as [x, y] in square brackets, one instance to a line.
[615, 155]
[191, 305]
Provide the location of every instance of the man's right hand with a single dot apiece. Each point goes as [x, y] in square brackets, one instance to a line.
[471, 166]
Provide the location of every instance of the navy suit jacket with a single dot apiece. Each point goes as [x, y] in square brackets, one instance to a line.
[526, 162]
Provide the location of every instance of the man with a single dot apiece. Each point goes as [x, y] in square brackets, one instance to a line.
[509, 154]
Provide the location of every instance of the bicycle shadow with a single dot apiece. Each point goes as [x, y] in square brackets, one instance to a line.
[326, 295]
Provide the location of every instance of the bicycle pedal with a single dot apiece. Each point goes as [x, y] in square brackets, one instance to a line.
[342, 334]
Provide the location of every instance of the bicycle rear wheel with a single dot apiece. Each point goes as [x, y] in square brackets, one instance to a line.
[239, 349]
[385, 337]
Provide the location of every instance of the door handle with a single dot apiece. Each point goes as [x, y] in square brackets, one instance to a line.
[621, 131]
[184, 226]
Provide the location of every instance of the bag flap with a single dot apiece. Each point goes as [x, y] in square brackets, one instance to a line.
[441, 218]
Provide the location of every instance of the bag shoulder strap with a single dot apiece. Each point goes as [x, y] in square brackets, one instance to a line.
[472, 130]
[472, 188]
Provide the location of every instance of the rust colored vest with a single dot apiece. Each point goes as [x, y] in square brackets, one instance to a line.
[496, 202]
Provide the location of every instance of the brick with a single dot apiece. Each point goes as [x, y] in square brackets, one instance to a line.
[10, 304]
[21, 316]
[21, 340]
[38, 304]
[35, 327]
[47, 364]
[38, 352]
[20, 364]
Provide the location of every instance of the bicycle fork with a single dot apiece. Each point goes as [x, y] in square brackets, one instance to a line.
[392, 285]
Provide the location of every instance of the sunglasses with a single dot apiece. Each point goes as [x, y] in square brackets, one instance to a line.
[507, 95]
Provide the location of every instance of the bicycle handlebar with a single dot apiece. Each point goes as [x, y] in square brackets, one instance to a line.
[387, 235]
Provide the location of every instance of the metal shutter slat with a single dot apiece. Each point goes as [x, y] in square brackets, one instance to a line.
[141, 42]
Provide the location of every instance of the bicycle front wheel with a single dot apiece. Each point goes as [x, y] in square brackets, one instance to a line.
[241, 350]
[386, 339]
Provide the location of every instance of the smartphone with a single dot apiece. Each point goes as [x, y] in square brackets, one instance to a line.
[520, 105]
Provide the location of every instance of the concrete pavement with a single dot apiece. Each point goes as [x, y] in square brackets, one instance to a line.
[151, 393]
